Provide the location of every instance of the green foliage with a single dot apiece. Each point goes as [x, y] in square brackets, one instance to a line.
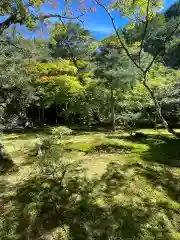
[50, 161]
[71, 78]
[135, 10]
[159, 27]
[113, 66]
[17, 90]
[19, 12]
[54, 68]
[70, 41]
[57, 83]
[61, 131]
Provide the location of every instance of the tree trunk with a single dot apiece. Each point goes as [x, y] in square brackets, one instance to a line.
[56, 114]
[42, 109]
[113, 119]
[39, 115]
[158, 107]
[97, 118]
[155, 123]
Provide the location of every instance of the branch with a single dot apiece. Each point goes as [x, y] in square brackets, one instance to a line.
[118, 36]
[59, 16]
[13, 19]
[124, 46]
[145, 30]
[159, 51]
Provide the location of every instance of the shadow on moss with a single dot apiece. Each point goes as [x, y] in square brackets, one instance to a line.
[163, 149]
[42, 205]
[110, 148]
[6, 164]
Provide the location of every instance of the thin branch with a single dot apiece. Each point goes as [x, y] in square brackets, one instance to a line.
[59, 16]
[15, 18]
[118, 35]
[158, 51]
[144, 71]
[145, 30]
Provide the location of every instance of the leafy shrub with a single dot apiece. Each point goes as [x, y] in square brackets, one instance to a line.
[50, 161]
[61, 131]
[41, 145]
[44, 144]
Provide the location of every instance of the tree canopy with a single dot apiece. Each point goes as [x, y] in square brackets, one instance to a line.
[72, 77]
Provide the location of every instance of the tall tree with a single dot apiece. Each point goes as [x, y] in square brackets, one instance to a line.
[138, 11]
[115, 71]
[71, 41]
[17, 90]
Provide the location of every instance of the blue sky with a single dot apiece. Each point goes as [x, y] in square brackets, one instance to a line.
[99, 24]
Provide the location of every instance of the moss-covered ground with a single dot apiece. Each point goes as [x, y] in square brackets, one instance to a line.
[123, 188]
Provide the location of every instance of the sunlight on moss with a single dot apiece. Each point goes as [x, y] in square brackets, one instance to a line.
[109, 191]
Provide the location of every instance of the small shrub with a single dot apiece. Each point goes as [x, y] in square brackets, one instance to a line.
[61, 131]
[48, 156]
[51, 162]
[41, 145]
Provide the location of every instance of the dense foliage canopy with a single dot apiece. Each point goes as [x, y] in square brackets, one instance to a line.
[73, 78]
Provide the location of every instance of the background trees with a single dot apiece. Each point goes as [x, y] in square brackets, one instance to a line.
[71, 78]
[143, 12]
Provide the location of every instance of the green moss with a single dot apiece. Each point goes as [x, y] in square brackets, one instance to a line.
[80, 146]
[123, 188]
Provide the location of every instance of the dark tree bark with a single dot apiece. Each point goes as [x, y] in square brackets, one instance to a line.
[113, 117]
